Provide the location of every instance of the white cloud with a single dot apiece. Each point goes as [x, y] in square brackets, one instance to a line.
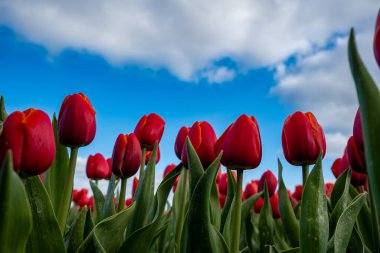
[186, 36]
[218, 75]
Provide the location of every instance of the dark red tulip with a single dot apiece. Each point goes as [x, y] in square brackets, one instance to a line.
[271, 180]
[203, 138]
[376, 40]
[149, 153]
[97, 167]
[258, 205]
[128, 202]
[222, 200]
[149, 130]
[134, 186]
[126, 156]
[274, 205]
[30, 137]
[90, 203]
[357, 179]
[335, 167]
[297, 192]
[302, 139]
[180, 141]
[251, 189]
[76, 121]
[241, 145]
[358, 131]
[223, 183]
[109, 174]
[169, 168]
[355, 156]
[328, 188]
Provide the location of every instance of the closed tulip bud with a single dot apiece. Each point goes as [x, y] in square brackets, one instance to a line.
[222, 200]
[128, 202]
[126, 156]
[134, 186]
[203, 138]
[109, 163]
[169, 168]
[180, 141]
[219, 142]
[76, 121]
[30, 137]
[358, 131]
[328, 188]
[274, 205]
[241, 144]
[357, 179]
[376, 40]
[149, 130]
[335, 167]
[355, 156]
[258, 205]
[271, 180]
[75, 195]
[297, 194]
[149, 153]
[223, 183]
[97, 167]
[251, 189]
[302, 139]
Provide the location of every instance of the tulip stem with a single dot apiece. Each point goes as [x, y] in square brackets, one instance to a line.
[237, 218]
[123, 187]
[305, 173]
[68, 190]
[142, 166]
[375, 221]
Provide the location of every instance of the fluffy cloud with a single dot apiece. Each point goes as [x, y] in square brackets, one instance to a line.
[186, 36]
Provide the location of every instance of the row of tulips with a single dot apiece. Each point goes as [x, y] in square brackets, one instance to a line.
[209, 211]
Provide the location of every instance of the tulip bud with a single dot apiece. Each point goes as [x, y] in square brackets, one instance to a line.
[149, 130]
[203, 138]
[149, 153]
[134, 186]
[358, 131]
[328, 188]
[302, 139]
[97, 167]
[376, 40]
[223, 183]
[109, 163]
[241, 146]
[169, 168]
[297, 193]
[76, 121]
[180, 140]
[335, 167]
[128, 202]
[355, 156]
[258, 205]
[126, 156]
[219, 142]
[75, 195]
[251, 189]
[271, 180]
[30, 137]
[274, 205]
[357, 179]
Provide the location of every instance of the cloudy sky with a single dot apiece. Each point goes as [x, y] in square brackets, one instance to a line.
[188, 61]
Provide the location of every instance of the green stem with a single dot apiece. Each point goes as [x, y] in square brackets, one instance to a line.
[375, 221]
[305, 173]
[237, 219]
[143, 150]
[68, 190]
[179, 226]
[122, 194]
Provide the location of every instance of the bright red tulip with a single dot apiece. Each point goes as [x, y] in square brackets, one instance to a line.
[223, 183]
[251, 189]
[219, 142]
[149, 153]
[134, 186]
[297, 193]
[302, 139]
[274, 205]
[109, 174]
[329, 187]
[126, 156]
[181, 140]
[376, 40]
[203, 138]
[149, 130]
[271, 180]
[30, 137]
[97, 167]
[358, 131]
[169, 168]
[75, 195]
[355, 156]
[241, 145]
[335, 167]
[128, 202]
[76, 121]
[90, 203]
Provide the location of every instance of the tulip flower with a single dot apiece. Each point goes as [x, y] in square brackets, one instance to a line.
[180, 141]
[341, 164]
[258, 205]
[219, 142]
[109, 163]
[271, 180]
[328, 188]
[167, 170]
[149, 153]
[274, 205]
[30, 137]
[251, 189]
[358, 131]
[298, 192]
[149, 130]
[76, 121]
[223, 183]
[97, 167]
[128, 202]
[376, 40]
[75, 195]
[203, 138]
[355, 156]
[134, 186]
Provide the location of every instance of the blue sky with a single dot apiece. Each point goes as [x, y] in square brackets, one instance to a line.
[205, 80]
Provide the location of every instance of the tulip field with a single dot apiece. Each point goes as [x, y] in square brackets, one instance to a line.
[210, 211]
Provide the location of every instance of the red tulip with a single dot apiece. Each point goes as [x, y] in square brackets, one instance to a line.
[223, 183]
[169, 168]
[358, 131]
[329, 187]
[219, 142]
[222, 200]
[241, 144]
[376, 40]
[355, 156]
[126, 156]
[76, 121]
[274, 205]
[203, 138]
[302, 139]
[30, 137]
[128, 202]
[149, 130]
[297, 192]
[97, 167]
[251, 189]
[90, 203]
[357, 179]
[258, 205]
[134, 186]
[109, 163]
[75, 195]
[271, 180]
[218, 176]
[180, 141]
[149, 153]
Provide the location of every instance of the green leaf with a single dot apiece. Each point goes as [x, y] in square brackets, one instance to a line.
[108, 235]
[194, 166]
[293, 250]
[231, 188]
[3, 112]
[266, 223]
[46, 235]
[248, 204]
[291, 224]
[98, 201]
[314, 224]
[339, 187]
[369, 100]
[249, 235]
[346, 223]
[15, 213]
[75, 236]
[109, 206]
[215, 205]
